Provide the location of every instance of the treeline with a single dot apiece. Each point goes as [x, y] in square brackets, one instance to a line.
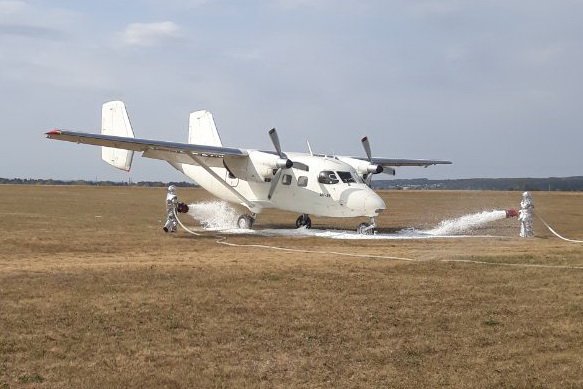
[570, 184]
[33, 181]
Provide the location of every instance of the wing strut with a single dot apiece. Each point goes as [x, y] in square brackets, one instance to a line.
[223, 182]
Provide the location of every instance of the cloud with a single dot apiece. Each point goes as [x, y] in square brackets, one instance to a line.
[31, 32]
[8, 7]
[436, 8]
[293, 4]
[178, 4]
[321, 5]
[150, 34]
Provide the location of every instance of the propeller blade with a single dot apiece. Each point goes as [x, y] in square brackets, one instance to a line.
[275, 141]
[366, 145]
[368, 179]
[274, 182]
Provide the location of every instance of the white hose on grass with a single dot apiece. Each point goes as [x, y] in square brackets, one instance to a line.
[556, 233]
[222, 240]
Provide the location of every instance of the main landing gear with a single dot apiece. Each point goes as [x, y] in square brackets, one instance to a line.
[304, 221]
[245, 222]
[367, 228]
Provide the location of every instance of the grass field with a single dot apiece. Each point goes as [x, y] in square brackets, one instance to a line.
[94, 294]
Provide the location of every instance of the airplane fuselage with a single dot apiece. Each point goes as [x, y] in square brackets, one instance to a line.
[321, 186]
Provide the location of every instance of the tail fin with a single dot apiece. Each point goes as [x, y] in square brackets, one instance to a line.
[202, 129]
[115, 121]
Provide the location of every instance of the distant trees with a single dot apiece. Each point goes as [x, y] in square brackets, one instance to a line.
[567, 184]
[570, 184]
[50, 181]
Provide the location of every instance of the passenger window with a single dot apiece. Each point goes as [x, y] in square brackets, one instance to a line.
[346, 177]
[287, 179]
[327, 177]
[302, 181]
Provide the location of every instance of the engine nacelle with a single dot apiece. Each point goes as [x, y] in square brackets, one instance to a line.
[283, 163]
[259, 167]
[374, 169]
[364, 167]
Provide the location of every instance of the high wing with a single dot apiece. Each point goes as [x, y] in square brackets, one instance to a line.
[396, 162]
[167, 151]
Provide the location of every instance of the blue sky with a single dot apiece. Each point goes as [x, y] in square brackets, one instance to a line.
[494, 86]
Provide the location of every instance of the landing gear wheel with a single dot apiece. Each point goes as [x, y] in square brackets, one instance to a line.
[304, 221]
[364, 229]
[245, 222]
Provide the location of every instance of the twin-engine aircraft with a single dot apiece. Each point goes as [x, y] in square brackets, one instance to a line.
[309, 184]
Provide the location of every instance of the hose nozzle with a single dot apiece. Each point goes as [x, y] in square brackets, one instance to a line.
[511, 213]
[182, 208]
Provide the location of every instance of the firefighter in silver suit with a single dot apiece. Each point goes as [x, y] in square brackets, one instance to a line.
[525, 216]
[171, 204]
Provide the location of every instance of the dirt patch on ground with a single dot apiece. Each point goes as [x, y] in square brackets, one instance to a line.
[94, 294]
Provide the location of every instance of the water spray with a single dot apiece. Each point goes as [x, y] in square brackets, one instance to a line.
[470, 222]
[222, 240]
[220, 216]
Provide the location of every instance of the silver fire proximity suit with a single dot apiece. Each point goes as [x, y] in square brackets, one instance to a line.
[171, 204]
[525, 216]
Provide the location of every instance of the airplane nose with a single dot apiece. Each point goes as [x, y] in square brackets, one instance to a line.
[356, 200]
[374, 204]
[366, 202]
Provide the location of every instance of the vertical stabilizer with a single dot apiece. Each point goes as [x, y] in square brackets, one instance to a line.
[115, 121]
[202, 129]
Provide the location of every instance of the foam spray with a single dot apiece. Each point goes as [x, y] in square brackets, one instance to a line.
[214, 215]
[219, 215]
[466, 223]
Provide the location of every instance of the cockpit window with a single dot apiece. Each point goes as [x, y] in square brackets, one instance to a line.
[346, 177]
[327, 177]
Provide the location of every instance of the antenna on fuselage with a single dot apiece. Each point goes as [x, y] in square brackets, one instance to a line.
[309, 148]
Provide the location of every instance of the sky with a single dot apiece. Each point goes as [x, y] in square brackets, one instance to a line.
[496, 86]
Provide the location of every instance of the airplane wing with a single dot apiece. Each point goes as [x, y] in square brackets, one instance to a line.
[167, 151]
[396, 162]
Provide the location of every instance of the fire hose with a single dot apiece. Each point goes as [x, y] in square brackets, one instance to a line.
[223, 240]
[555, 232]
[509, 213]
[514, 213]
[183, 208]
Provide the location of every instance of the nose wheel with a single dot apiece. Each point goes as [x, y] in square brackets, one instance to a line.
[245, 222]
[303, 221]
[367, 228]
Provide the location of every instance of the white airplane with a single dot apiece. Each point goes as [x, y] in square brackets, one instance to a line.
[309, 184]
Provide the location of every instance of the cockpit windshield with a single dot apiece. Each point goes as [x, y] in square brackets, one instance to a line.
[328, 177]
[346, 177]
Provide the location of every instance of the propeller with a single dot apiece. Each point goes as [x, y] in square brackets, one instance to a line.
[282, 163]
[366, 145]
[275, 140]
[372, 169]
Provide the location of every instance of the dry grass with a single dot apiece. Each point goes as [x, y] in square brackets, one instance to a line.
[93, 294]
